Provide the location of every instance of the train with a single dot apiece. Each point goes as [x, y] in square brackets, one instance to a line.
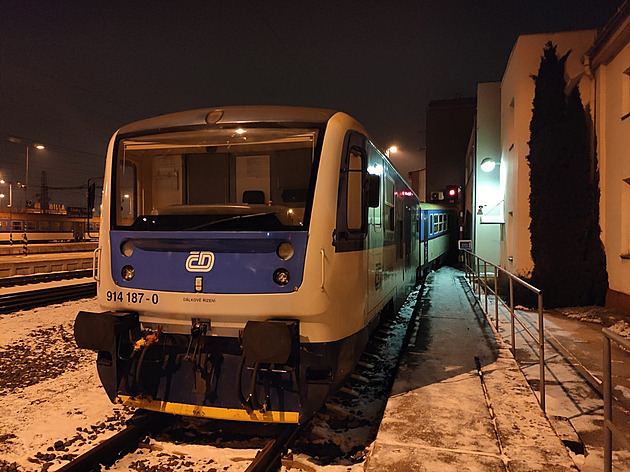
[245, 256]
[39, 227]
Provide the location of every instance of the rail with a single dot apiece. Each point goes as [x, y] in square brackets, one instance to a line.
[478, 280]
[28, 299]
[269, 457]
[44, 277]
[609, 426]
[126, 440]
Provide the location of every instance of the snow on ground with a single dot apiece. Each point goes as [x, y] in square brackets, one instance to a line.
[612, 319]
[622, 328]
[53, 408]
[42, 403]
[48, 413]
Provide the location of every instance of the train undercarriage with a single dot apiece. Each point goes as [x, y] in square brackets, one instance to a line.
[264, 375]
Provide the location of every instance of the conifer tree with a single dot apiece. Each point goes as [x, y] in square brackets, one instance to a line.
[569, 262]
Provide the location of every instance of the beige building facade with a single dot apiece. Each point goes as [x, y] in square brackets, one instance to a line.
[599, 63]
[517, 96]
[605, 88]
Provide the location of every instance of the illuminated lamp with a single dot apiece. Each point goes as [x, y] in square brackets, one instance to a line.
[390, 150]
[488, 164]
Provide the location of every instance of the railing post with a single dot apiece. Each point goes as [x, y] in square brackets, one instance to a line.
[512, 334]
[541, 341]
[607, 406]
[485, 284]
[496, 298]
[478, 278]
[475, 271]
[466, 269]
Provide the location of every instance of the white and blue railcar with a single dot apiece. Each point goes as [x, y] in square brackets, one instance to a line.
[245, 254]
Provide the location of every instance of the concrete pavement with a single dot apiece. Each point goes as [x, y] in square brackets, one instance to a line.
[460, 401]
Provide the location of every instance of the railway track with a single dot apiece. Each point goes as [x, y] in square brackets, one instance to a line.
[348, 423]
[145, 423]
[33, 298]
[41, 278]
[126, 440]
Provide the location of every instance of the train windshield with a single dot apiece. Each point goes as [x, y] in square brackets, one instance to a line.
[251, 179]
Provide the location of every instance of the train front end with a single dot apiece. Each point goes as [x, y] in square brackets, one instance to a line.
[201, 267]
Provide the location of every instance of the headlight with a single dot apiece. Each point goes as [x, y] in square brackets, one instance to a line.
[285, 251]
[126, 248]
[281, 277]
[128, 272]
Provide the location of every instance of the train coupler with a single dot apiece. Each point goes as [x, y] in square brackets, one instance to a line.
[206, 367]
[200, 329]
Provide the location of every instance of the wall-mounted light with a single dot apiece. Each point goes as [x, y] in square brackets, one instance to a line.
[488, 164]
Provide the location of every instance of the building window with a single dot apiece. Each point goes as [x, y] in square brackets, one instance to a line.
[510, 121]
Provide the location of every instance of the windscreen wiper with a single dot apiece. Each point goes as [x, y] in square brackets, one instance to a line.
[231, 218]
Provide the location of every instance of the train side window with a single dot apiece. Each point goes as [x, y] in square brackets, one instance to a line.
[375, 169]
[16, 225]
[390, 218]
[352, 205]
[354, 209]
[127, 197]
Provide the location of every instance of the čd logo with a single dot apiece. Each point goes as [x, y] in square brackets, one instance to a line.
[200, 261]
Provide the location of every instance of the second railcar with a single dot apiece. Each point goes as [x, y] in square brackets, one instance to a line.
[40, 227]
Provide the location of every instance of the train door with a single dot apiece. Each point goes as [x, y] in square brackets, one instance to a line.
[359, 191]
[425, 237]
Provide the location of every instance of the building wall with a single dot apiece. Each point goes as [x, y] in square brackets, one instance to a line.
[488, 199]
[609, 103]
[517, 95]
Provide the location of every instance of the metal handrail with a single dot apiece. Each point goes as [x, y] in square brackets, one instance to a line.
[472, 265]
[609, 425]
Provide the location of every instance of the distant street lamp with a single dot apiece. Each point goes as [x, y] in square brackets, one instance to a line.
[10, 206]
[3, 182]
[36, 146]
[390, 149]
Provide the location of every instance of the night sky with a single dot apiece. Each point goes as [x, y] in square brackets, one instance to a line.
[72, 72]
